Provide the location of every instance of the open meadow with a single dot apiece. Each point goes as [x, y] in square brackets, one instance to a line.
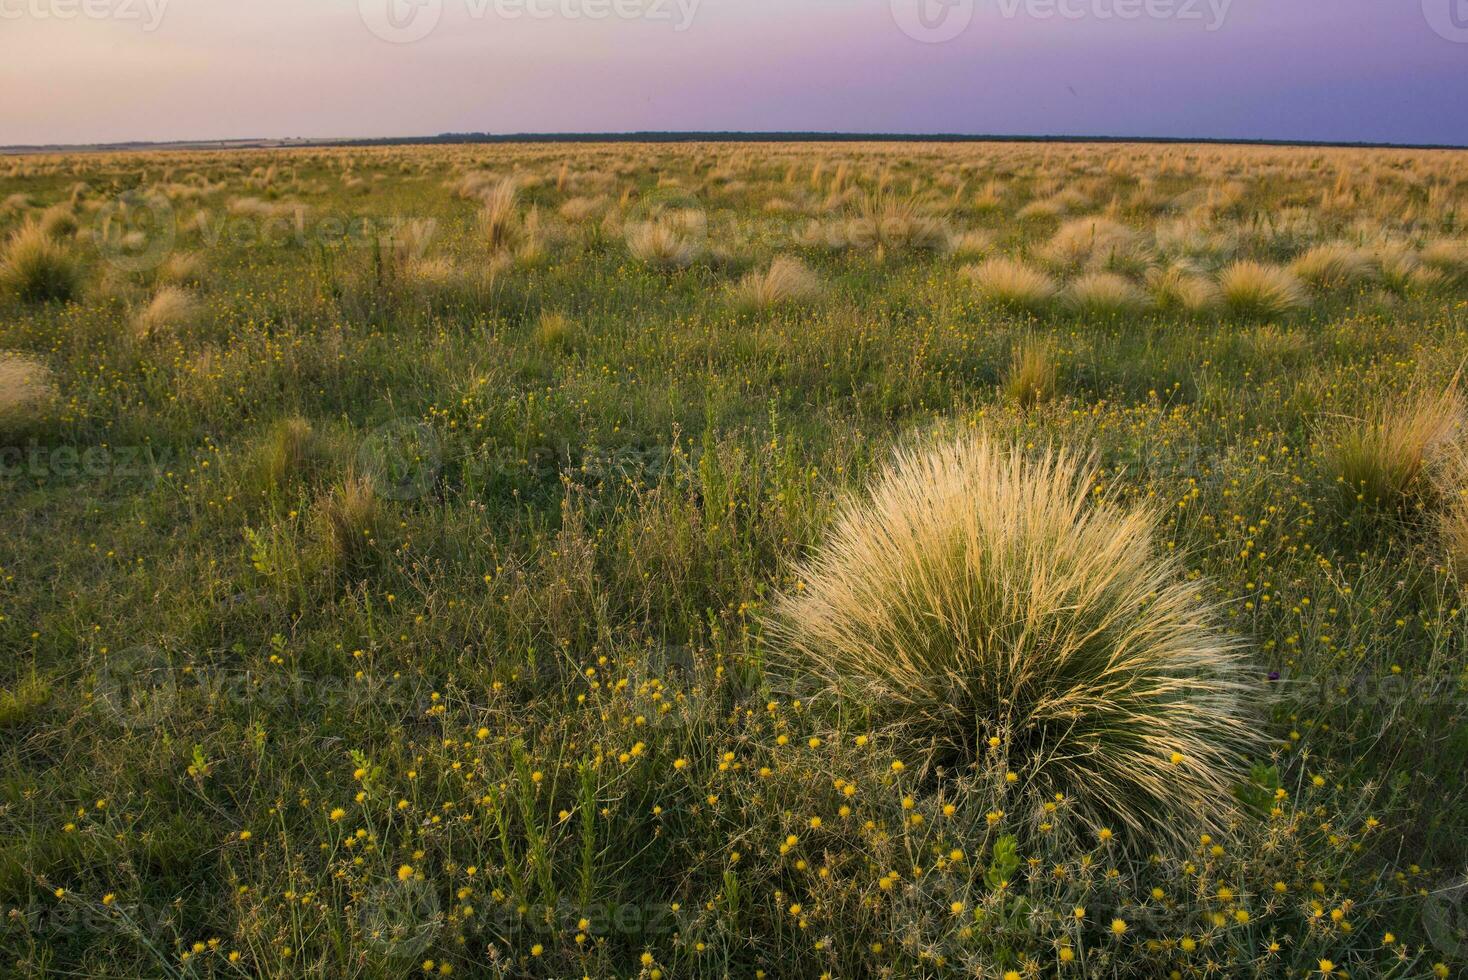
[777, 560]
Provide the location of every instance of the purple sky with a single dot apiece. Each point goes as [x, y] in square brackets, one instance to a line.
[1379, 70]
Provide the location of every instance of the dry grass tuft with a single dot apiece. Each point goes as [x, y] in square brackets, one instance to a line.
[1175, 289]
[674, 239]
[975, 595]
[171, 309]
[290, 451]
[1335, 265]
[1032, 374]
[1095, 243]
[1453, 531]
[886, 222]
[555, 331]
[1449, 257]
[499, 219]
[349, 517]
[787, 282]
[182, 269]
[972, 244]
[1104, 294]
[27, 393]
[36, 269]
[1253, 289]
[1012, 284]
[59, 222]
[1393, 461]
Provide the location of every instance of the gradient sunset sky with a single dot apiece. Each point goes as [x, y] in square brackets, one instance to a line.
[1374, 70]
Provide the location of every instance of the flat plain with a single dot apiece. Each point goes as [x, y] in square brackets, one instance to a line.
[789, 560]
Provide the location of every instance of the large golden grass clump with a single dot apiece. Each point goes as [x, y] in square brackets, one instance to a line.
[1402, 458]
[36, 269]
[1012, 284]
[787, 282]
[976, 594]
[1253, 289]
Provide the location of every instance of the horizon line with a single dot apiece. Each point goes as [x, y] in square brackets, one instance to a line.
[681, 136]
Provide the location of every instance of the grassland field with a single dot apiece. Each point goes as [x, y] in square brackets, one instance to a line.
[429, 561]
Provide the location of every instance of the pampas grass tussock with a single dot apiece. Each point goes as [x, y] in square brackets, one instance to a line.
[36, 269]
[1012, 284]
[786, 282]
[1176, 289]
[975, 594]
[672, 240]
[1453, 530]
[1334, 265]
[1253, 289]
[172, 308]
[1394, 461]
[1104, 294]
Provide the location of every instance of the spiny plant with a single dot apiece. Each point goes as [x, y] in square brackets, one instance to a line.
[976, 596]
[36, 269]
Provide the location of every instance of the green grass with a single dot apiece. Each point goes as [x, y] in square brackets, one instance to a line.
[481, 553]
